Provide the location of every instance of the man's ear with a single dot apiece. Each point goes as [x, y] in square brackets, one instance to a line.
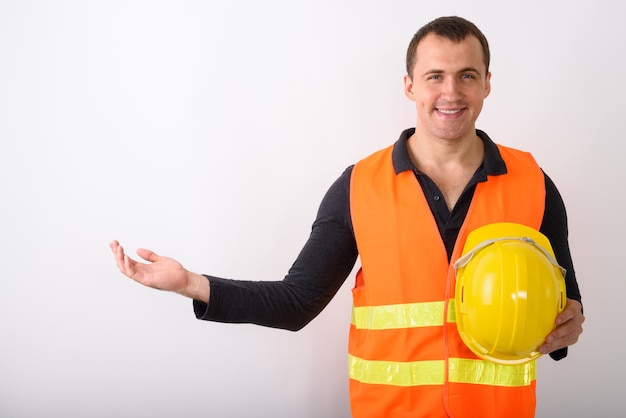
[408, 88]
[487, 85]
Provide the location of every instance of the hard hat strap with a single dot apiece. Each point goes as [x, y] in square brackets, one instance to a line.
[463, 260]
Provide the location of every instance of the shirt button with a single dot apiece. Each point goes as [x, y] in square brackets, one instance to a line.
[437, 198]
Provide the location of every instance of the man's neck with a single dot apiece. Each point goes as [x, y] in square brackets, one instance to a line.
[441, 154]
[449, 163]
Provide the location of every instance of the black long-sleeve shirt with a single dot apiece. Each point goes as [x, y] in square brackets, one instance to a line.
[330, 253]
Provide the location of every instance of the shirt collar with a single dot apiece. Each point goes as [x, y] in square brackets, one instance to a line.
[493, 164]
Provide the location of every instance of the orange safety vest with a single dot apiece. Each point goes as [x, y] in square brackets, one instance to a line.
[406, 357]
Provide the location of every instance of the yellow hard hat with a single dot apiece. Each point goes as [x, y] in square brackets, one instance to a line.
[509, 290]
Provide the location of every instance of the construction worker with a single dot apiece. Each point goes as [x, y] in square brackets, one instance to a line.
[407, 211]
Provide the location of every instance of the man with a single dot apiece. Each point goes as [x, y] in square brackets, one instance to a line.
[407, 210]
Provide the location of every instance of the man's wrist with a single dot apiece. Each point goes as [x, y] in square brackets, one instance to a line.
[198, 288]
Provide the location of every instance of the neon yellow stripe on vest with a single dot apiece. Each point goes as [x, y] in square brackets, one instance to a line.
[432, 372]
[488, 373]
[396, 373]
[408, 315]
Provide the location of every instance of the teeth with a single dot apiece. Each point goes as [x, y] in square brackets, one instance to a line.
[449, 112]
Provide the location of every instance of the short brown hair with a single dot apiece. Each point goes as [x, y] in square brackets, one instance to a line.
[453, 28]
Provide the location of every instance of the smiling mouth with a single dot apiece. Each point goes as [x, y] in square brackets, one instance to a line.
[449, 111]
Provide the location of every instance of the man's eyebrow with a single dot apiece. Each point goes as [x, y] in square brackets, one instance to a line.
[469, 70]
[462, 70]
[432, 71]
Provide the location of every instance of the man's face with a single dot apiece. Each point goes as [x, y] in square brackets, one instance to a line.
[448, 85]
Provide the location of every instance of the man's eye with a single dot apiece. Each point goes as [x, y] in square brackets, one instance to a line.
[467, 76]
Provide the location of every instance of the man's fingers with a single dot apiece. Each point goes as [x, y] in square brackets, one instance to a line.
[568, 330]
[118, 253]
[147, 255]
[136, 270]
[572, 308]
[130, 267]
[114, 246]
[125, 264]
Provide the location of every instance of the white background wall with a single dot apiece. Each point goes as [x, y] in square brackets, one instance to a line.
[209, 131]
